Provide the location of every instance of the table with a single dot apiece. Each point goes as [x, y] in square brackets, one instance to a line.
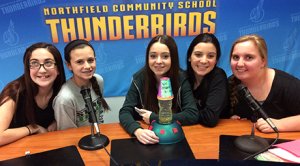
[203, 141]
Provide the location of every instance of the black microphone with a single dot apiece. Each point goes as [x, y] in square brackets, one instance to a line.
[244, 92]
[86, 94]
[92, 142]
[251, 143]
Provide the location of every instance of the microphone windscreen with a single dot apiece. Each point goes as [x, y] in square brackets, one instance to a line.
[85, 91]
[240, 87]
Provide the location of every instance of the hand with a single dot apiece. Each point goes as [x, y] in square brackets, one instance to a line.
[146, 136]
[37, 129]
[146, 115]
[264, 127]
[235, 117]
[52, 126]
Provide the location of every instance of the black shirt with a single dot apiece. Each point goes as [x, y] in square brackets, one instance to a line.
[212, 97]
[282, 101]
[43, 117]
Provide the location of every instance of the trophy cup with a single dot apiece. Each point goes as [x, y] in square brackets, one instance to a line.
[168, 130]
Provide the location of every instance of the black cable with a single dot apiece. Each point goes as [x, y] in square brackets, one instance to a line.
[86, 94]
[115, 162]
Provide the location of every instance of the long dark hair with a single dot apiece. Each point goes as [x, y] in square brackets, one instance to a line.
[150, 89]
[80, 43]
[27, 87]
[201, 38]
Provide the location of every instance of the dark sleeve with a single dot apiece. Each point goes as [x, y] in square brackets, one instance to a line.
[217, 100]
[127, 115]
[189, 113]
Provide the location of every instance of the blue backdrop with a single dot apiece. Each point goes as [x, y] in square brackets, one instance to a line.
[120, 31]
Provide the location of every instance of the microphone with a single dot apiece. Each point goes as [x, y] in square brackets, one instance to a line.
[244, 92]
[86, 95]
[251, 143]
[92, 141]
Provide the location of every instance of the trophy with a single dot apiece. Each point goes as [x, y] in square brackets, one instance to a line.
[168, 130]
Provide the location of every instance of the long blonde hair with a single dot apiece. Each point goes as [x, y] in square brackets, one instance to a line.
[233, 81]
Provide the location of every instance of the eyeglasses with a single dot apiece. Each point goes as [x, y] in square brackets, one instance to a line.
[47, 65]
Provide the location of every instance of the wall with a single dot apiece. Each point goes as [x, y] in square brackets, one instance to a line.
[120, 34]
[115, 104]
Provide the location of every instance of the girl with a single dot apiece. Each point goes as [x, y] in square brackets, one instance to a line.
[69, 106]
[209, 82]
[26, 103]
[161, 61]
[276, 91]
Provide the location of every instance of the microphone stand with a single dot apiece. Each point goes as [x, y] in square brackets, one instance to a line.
[92, 141]
[251, 143]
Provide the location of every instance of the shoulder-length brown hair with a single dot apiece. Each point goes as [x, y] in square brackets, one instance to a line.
[150, 89]
[27, 87]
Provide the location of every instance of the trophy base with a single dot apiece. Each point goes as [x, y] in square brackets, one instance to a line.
[168, 133]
